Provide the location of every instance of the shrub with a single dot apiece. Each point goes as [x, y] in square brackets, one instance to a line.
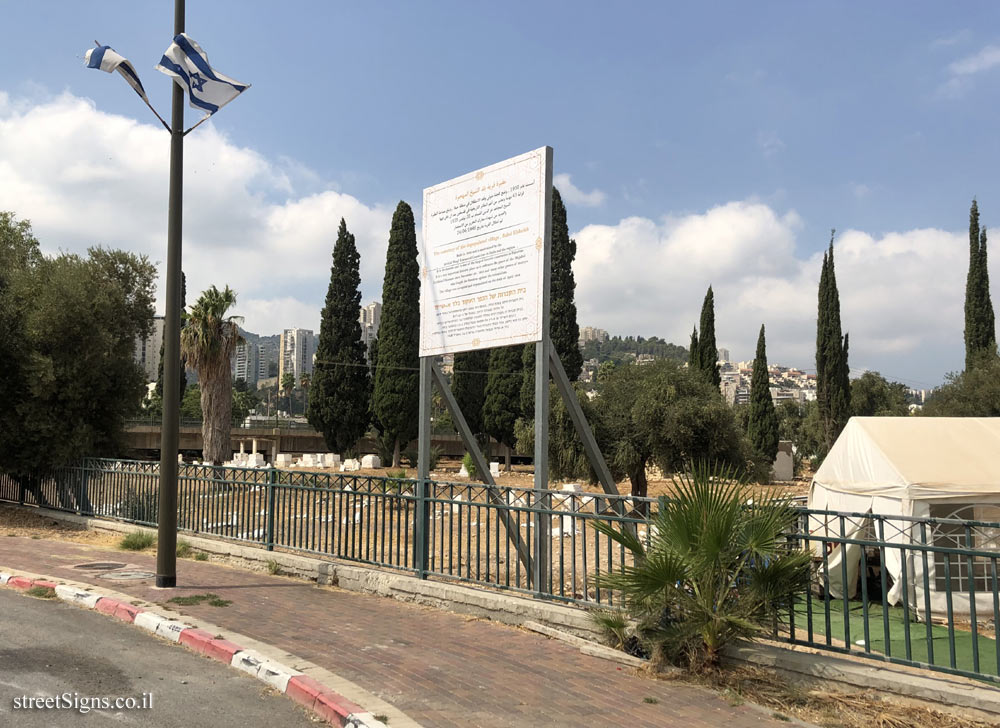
[137, 541]
[140, 507]
[470, 466]
[411, 456]
[718, 569]
[183, 549]
[201, 556]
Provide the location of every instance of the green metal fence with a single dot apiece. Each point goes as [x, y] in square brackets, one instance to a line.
[916, 591]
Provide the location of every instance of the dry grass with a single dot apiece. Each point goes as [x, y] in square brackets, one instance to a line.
[27, 523]
[822, 707]
[522, 476]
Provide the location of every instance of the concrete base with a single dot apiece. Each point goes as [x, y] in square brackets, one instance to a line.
[496, 605]
[966, 697]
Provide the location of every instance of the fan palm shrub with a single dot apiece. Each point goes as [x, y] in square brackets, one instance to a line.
[718, 568]
[208, 341]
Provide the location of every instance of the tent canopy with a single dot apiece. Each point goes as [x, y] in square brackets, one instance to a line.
[914, 458]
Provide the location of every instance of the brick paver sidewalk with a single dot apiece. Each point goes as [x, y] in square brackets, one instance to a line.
[441, 669]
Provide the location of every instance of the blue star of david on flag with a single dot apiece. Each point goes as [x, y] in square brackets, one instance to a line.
[207, 89]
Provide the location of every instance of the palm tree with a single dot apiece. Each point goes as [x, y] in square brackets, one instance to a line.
[305, 379]
[718, 568]
[287, 385]
[208, 341]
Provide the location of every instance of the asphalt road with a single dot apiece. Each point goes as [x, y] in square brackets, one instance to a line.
[48, 648]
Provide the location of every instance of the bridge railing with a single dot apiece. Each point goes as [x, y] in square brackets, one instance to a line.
[238, 424]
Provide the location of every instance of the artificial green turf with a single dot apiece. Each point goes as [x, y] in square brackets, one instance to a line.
[897, 635]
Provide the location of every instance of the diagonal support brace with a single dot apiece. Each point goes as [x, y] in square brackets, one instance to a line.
[523, 552]
[586, 434]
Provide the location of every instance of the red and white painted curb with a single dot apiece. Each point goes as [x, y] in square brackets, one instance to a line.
[304, 690]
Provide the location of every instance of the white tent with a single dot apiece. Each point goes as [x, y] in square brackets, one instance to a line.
[916, 467]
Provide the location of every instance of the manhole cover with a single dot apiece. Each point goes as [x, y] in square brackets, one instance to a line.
[127, 575]
[100, 566]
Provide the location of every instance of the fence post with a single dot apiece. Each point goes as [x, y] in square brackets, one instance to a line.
[421, 525]
[271, 475]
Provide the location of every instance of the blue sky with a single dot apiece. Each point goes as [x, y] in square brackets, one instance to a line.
[718, 143]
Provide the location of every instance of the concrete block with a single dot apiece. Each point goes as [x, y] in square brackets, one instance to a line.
[495, 469]
[149, 621]
[370, 462]
[269, 671]
[77, 596]
[171, 629]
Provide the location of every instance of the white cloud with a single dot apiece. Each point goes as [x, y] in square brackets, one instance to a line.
[573, 195]
[901, 294]
[770, 143]
[84, 177]
[962, 71]
[984, 60]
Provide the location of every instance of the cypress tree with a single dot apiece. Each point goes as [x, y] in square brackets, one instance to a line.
[469, 386]
[397, 381]
[980, 325]
[762, 421]
[340, 386]
[833, 387]
[989, 331]
[563, 327]
[708, 353]
[159, 367]
[503, 393]
[694, 353]
[527, 397]
[973, 304]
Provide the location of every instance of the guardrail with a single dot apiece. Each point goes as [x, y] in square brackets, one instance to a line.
[240, 424]
[916, 591]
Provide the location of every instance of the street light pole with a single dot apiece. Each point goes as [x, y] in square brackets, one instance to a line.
[166, 549]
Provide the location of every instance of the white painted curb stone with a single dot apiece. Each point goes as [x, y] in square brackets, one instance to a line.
[5, 577]
[149, 621]
[269, 671]
[77, 596]
[171, 629]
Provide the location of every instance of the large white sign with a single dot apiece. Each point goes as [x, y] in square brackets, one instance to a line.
[483, 257]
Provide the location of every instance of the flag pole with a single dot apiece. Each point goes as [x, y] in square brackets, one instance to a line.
[166, 549]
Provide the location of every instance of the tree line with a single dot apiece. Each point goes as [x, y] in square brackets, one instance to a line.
[68, 325]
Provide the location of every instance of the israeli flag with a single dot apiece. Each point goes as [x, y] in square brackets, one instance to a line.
[207, 89]
[105, 58]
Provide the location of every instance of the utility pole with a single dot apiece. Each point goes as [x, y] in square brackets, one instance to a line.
[166, 549]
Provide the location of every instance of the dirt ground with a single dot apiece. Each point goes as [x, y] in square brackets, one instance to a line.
[522, 476]
[33, 523]
[819, 705]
